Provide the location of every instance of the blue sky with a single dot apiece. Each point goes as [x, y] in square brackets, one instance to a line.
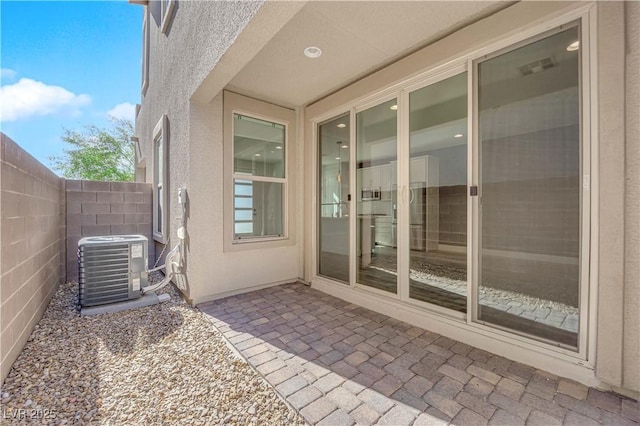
[66, 65]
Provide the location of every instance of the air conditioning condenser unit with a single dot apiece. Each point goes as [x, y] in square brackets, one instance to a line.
[111, 269]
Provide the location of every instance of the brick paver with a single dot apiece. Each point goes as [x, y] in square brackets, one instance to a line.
[399, 416]
[344, 399]
[339, 363]
[338, 417]
[304, 397]
[365, 415]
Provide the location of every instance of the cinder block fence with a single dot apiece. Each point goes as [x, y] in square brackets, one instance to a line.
[105, 208]
[43, 218]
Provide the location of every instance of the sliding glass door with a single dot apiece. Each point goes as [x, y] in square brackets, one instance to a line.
[530, 165]
[438, 193]
[333, 189]
[376, 196]
[468, 192]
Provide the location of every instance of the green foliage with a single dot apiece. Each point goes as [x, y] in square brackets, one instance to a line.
[98, 154]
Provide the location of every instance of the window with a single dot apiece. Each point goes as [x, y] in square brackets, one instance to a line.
[167, 10]
[160, 180]
[259, 151]
[145, 51]
[259, 190]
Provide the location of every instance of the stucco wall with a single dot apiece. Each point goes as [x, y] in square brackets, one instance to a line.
[219, 271]
[32, 255]
[631, 376]
[176, 71]
[195, 148]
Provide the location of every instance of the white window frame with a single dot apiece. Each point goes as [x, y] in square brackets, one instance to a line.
[160, 131]
[145, 51]
[238, 104]
[167, 9]
[244, 177]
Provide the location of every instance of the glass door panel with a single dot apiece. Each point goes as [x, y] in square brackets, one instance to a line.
[530, 157]
[333, 184]
[376, 201]
[438, 193]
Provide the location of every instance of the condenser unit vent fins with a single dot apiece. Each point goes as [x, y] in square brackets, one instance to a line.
[111, 269]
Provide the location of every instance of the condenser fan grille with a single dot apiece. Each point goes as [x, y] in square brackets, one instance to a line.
[111, 269]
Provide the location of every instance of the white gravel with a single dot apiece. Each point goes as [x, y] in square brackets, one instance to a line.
[163, 364]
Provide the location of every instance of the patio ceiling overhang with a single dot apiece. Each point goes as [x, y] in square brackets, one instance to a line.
[356, 39]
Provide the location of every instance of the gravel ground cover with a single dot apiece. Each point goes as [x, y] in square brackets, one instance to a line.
[454, 279]
[163, 364]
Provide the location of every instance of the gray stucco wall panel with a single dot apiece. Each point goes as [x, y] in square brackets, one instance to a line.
[224, 21]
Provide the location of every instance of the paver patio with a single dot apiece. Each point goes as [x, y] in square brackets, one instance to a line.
[341, 364]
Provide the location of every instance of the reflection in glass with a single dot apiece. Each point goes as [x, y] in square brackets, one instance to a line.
[438, 193]
[376, 134]
[333, 140]
[529, 131]
[257, 208]
[258, 147]
[258, 152]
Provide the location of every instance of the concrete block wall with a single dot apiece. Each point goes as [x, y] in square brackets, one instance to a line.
[105, 208]
[43, 217]
[32, 233]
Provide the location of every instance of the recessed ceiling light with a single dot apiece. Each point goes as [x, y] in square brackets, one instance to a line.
[573, 46]
[458, 135]
[312, 52]
[278, 147]
[258, 155]
[337, 158]
[393, 107]
[344, 146]
[342, 125]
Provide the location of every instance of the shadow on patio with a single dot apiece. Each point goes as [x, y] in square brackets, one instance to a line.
[338, 363]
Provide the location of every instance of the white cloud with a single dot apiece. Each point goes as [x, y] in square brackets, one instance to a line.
[124, 110]
[7, 74]
[28, 98]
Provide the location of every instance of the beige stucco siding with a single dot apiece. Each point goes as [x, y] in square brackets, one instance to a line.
[182, 73]
[178, 63]
[221, 272]
[618, 338]
[610, 191]
[631, 377]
